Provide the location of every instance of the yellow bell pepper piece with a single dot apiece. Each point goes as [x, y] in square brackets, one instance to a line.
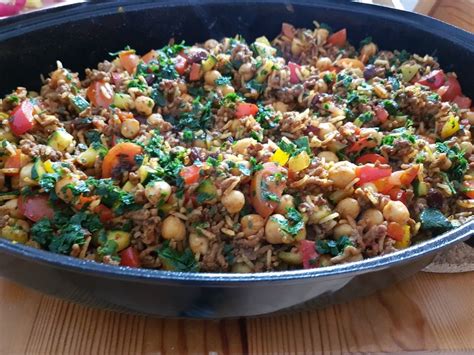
[450, 127]
[405, 242]
[299, 162]
[3, 116]
[280, 157]
[48, 166]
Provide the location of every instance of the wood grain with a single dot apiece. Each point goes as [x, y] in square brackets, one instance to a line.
[456, 12]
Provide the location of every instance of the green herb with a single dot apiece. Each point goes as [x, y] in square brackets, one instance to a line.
[266, 117]
[14, 99]
[433, 97]
[255, 165]
[93, 136]
[199, 117]
[394, 83]
[223, 80]
[109, 248]
[399, 134]
[365, 41]
[391, 106]
[459, 164]
[364, 118]
[48, 181]
[253, 85]
[188, 135]
[303, 144]
[294, 222]
[329, 77]
[157, 96]
[433, 219]
[42, 232]
[79, 103]
[345, 79]
[112, 196]
[100, 149]
[176, 261]
[333, 247]
[287, 146]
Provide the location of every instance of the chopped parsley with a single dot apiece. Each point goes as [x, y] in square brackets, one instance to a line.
[333, 247]
[391, 106]
[459, 162]
[176, 261]
[199, 117]
[294, 222]
[399, 134]
[223, 80]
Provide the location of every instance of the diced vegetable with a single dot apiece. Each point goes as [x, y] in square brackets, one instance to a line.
[100, 94]
[123, 101]
[360, 144]
[433, 80]
[38, 170]
[263, 47]
[463, 102]
[129, 60]
[433, 219]
[105, 213]
[190, 174]
[206, 191]
[267, 187]
[16, 161]
[397, 194]
[79, 103]
[347, 63]
[244, 109]
[35, 207]
[60, 140]
[368, 173]
[181, 64]
[145, 172]
[195, 72]
[151, 55]
[404, 177]
[409, 71]
[129, 257]
[290, 258]
[299, 162]
[453, 89]
[395, 231]
[381, 114]
[264, 71]
[308, 253]
[406, 239]
[371, 158]
[22, 120]
[25, 176]
[208, 63]
[450, 127]
[280, 157]
[338, 38]
[122, 238]
[120, 158]
[294, 69]
[88, 157]
[468, 188]
[421, 189]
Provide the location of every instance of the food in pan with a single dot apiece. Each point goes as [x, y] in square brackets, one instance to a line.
[234, 156]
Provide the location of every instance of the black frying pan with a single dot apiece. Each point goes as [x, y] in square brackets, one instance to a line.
[82, 35]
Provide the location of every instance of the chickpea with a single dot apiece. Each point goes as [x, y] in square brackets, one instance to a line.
[467, 147]
[242, 145]
[130, 128]
[234, 201]
[324, 129]
[25, 175]
[11, 207]
[15, 233]
[157, 191]
[342, 230]
[251, 224]
[210, 44]
[396, 211]
[144, 105]
[368, 50]
[227, 89]
[154, 120]
[246, 72]
[273, 232]
[323, 63]
[61, 189]
[321, 86]
[280, 106]
[348, 207]
[211, 76]
[286, 202]
[173, 228]
[372, 217]
[342, 173]
[328, 156]
[241, 268]
[198, 244]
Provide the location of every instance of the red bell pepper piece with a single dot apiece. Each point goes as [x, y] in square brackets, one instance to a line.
[244, 109]
[462, 101]
[294, 79]
[180, 63]
[129, 257]
[308, 254]
[21, 120]
[371, 158]
[395, 231]
[381, 114]
[453, 89]
[190, 174]
[35, 207]
[338, 38]
[195, 72]
[433, 80]
[368, 173]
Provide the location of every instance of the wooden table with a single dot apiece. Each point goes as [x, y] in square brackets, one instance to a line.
[429, 312]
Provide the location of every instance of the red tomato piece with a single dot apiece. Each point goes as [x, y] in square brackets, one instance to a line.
[21, 120]
[150, 56]
[267, 187]
[453, 89]
[129, 257]
[383, 186]
[120, 158]
[381, 114]
[404, 177]
[190, 174]
[35, 207]
[180, 63]
[243, 110]
[15, 161]
[395, 231]
[100, 94]
[433, 80]
[360, 144]
[468, 188]
[129, 60]
[397, 194]
[338, 38]
[288, 30]
[195, 72]
[368, 173]
[294, 79]
[308, 254]
[462, 101]
[105, 213]
[371, 158]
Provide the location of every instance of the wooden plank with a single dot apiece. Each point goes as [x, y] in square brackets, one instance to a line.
[429, 312]
[458, 13]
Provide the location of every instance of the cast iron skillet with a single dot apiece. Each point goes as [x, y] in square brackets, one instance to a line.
[82, 35]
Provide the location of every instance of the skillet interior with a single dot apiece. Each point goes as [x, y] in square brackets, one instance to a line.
[84, 34]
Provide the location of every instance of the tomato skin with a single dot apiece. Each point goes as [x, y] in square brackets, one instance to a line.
[35, 207]
[105, 213]
[338, 38]
[360, 144]
[453, 89]
[381, 114]
[308, 254]
[433, 80]
[383, 186]
[100, 94]
[129, 60]
[264, 180]
[395, 231]
[371, 158]
[404, 177]
[195, 72]
[180, 63]
[190, 174]
[21, 120]
[397, 194]
[468, 188]
[462, 101]
[149, 56]
[120, 154]
[244, 109]
[368, 173]
[16, 161]
[129, 257]
[294, 79]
